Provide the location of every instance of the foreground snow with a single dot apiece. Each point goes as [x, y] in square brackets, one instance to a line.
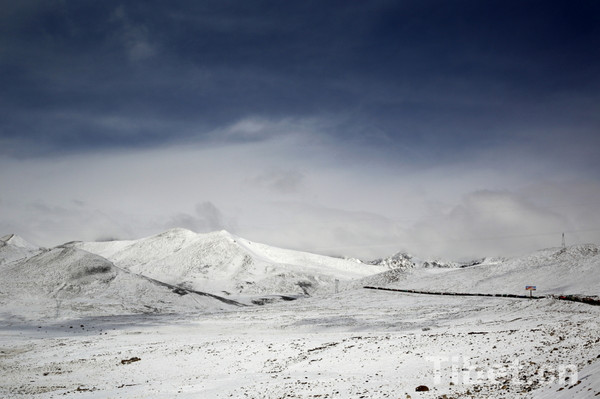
[355, 344]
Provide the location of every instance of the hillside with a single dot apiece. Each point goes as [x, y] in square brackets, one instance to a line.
[13, 247]
[69, 283]
[220, 263]
[179, 271]
[571, 270]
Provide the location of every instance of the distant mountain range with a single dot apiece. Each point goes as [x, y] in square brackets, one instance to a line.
[180, 271]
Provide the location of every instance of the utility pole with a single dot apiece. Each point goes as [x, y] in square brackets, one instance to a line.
[563, 241]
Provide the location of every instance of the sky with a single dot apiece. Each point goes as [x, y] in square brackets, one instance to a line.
[448, 129]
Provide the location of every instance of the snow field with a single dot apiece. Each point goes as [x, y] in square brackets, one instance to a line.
[86, 320]
[357, 343]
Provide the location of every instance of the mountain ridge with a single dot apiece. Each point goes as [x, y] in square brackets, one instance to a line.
[65, 282]
[14, 247]
[223, 262]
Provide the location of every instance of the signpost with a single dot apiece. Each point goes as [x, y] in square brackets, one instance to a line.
[530, 288]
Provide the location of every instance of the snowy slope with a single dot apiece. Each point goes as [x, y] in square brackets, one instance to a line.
[13, 247]
[572, 270]
[221, 262]
[69, 282]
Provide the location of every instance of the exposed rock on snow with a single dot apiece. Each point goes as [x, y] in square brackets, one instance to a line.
[402, 260]
[399, 260]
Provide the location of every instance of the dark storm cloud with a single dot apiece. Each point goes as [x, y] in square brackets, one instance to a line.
[79, 75]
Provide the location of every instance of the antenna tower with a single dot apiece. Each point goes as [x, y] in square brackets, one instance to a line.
[563, 241]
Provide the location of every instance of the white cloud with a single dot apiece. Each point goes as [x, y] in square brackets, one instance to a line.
[321, 229]
[206, 218]
[489, 223]
[296, 189]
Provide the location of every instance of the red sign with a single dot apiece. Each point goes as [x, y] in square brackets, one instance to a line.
[530, 287]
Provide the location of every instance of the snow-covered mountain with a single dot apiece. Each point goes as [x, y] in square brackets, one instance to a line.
[181, 271]
[13, 247]
[223, 263]
[402, 260]
[571, 270]
[68, 282]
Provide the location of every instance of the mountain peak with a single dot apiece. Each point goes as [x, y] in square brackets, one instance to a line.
[179, 230]
[398, 260]
[17, 241]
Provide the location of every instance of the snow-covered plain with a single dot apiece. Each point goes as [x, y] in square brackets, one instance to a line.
[77, 324]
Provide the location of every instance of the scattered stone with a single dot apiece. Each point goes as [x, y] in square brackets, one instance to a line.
[133, 359]
[422, 388]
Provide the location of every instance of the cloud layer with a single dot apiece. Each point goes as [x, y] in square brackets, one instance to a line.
[301, 192]
[348, 128]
